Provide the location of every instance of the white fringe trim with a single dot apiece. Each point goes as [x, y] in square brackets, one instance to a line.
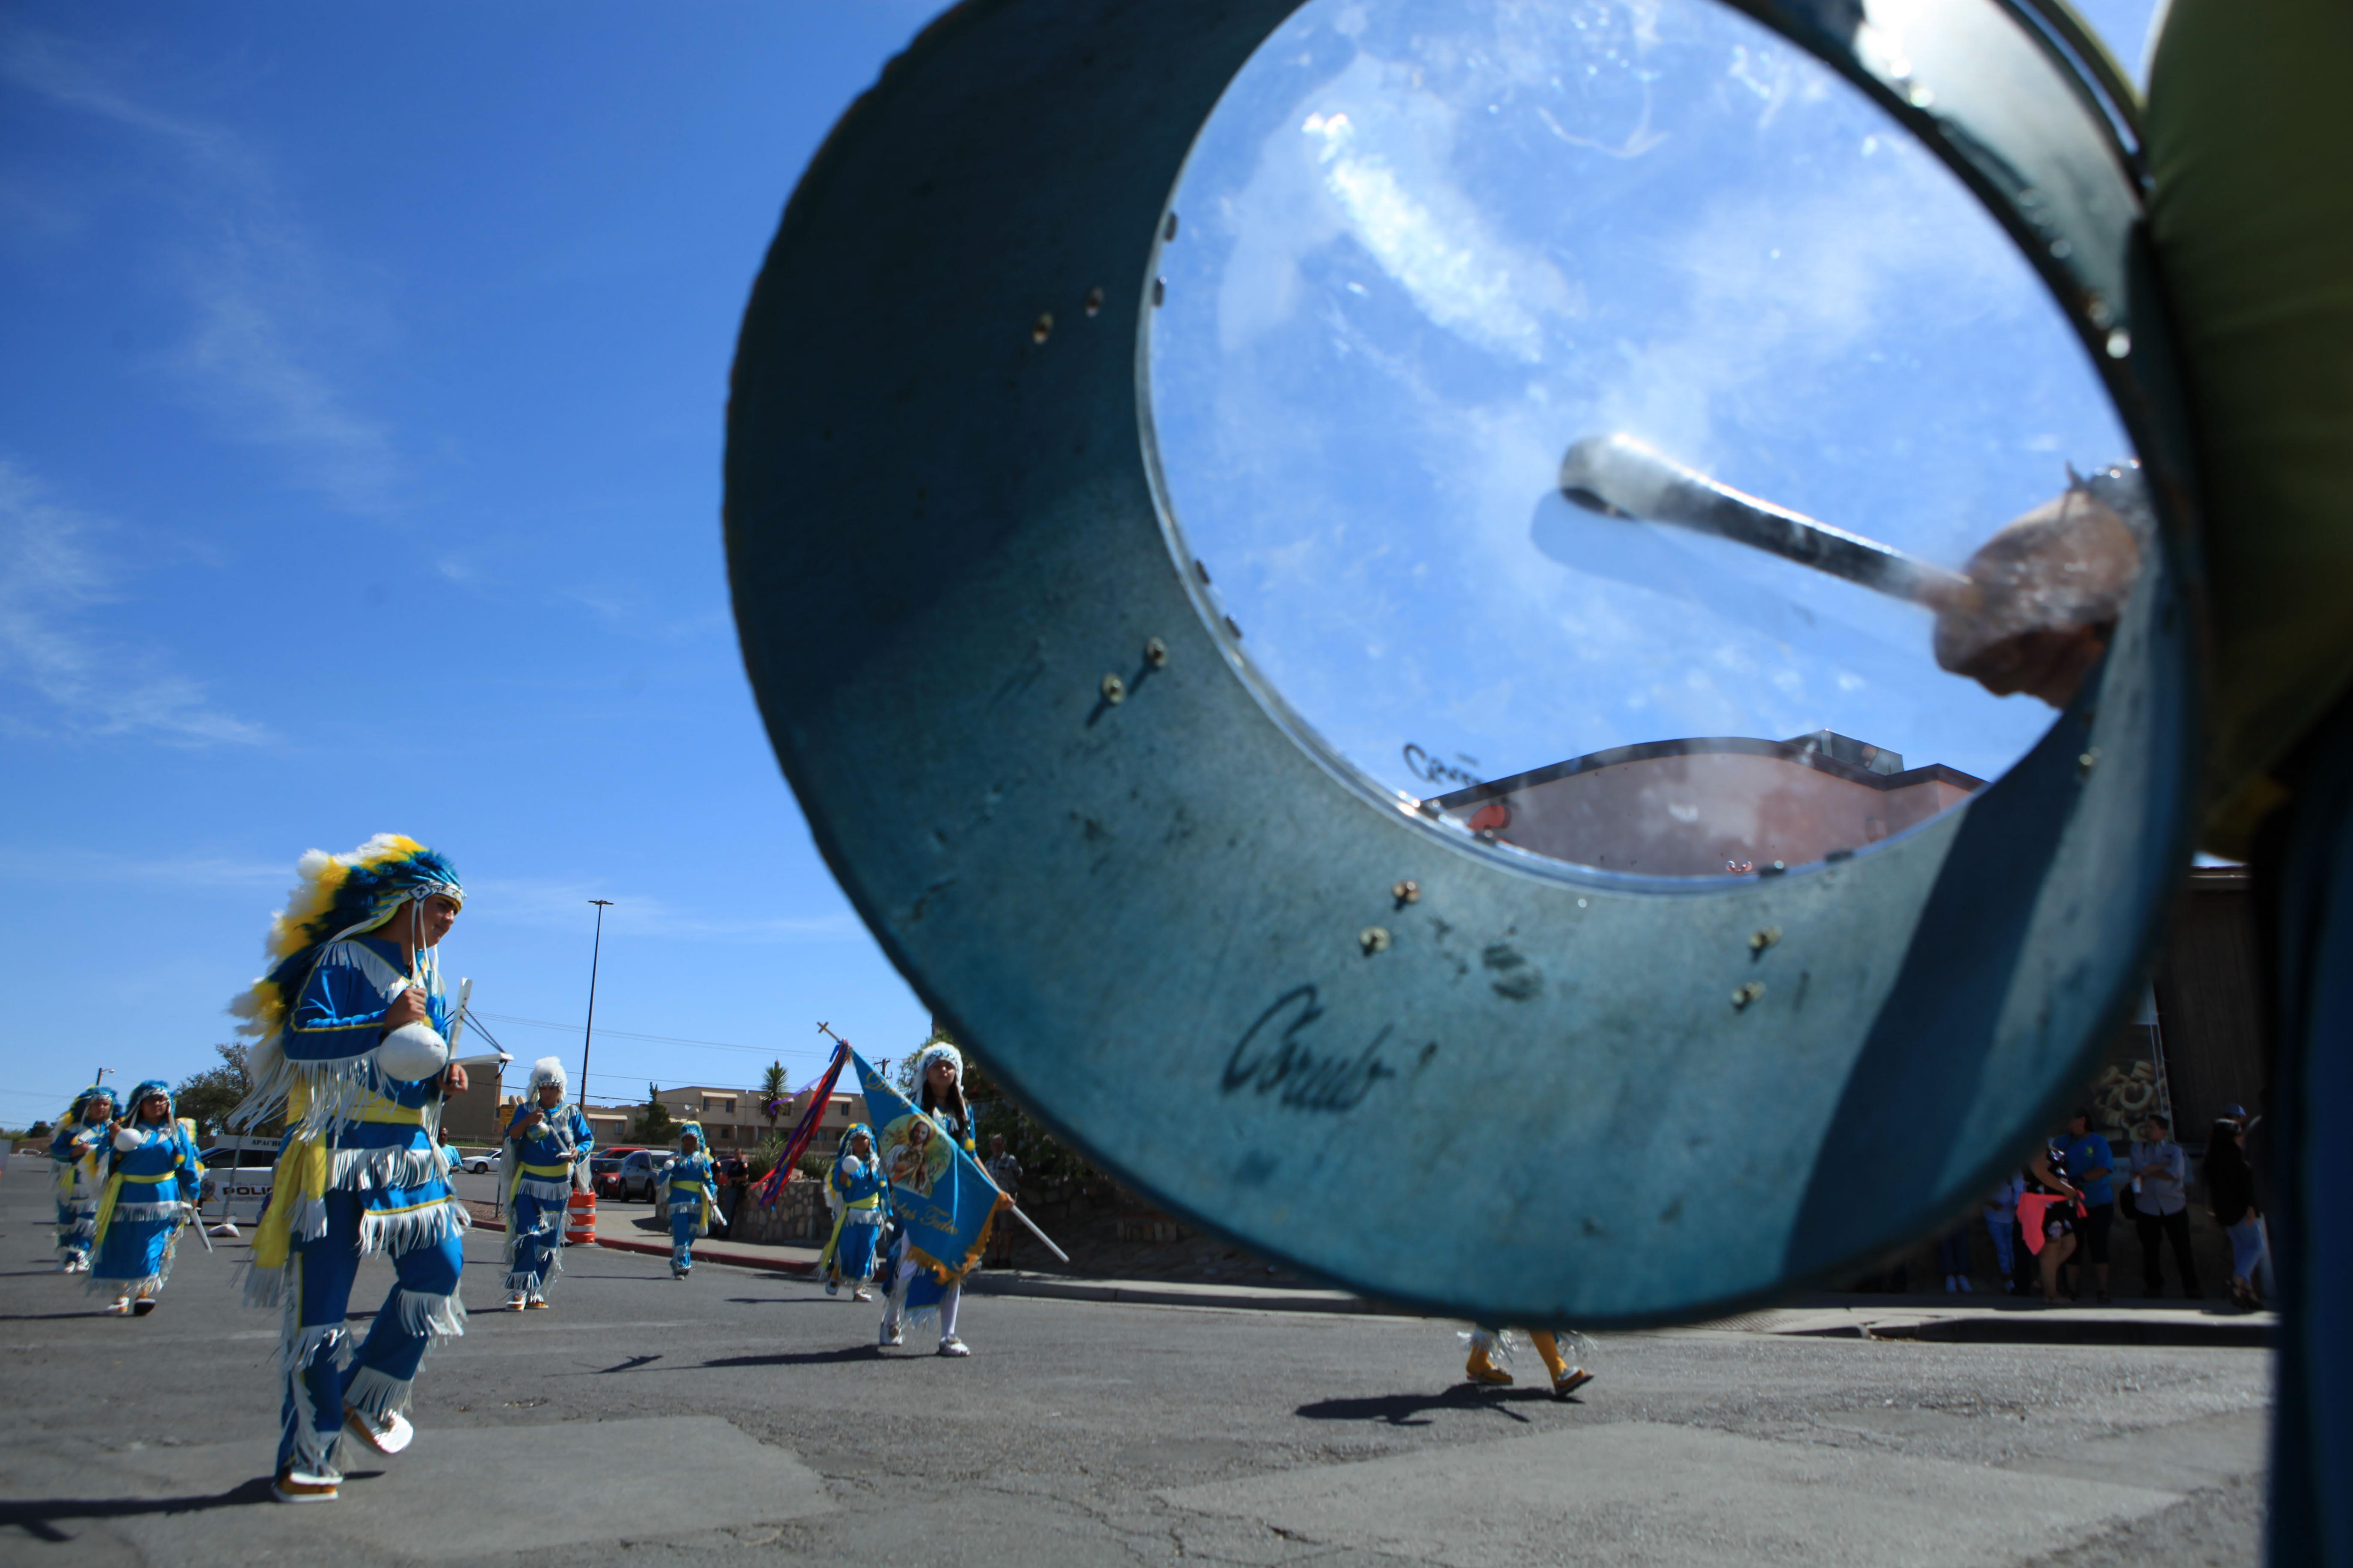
[398, 1235]
[546, 1191]
[377, 1395]
[1499, 1345]
[363, 1169]
[264, 1287]
[144, 1213]
[148, 1286]
[432, 1317]
[528, 1281]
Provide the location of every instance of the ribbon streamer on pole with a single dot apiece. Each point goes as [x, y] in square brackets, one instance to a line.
[773, 1184]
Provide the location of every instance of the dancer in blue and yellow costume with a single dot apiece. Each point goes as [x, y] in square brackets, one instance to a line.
[1487, 1344]
[689, 1188]
[861, 1195]
[547, 1148]
[152, 1178]
[354, 1049]
[75, 1153]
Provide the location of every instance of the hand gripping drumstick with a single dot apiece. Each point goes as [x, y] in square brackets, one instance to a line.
[1618, 476]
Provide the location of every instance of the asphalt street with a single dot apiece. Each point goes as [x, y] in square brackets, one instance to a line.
[743, 1418]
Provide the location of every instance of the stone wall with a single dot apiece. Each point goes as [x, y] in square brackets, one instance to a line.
[798, 1218]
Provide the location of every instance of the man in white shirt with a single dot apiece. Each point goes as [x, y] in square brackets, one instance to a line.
[2160, 1175]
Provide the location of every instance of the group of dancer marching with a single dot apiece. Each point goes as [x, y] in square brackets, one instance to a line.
[354, 1030]
[125, 1185]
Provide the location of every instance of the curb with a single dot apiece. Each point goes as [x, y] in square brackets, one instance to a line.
[2229, 1333]
[1257, 1299]
[2002, 1328]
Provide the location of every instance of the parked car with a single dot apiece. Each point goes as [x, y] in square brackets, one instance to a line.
[640, 1170]
[604, 1175]
[239, 1171]
[479, 1161]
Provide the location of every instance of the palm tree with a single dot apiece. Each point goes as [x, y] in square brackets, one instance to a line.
[654, 1126]
[775, 1090]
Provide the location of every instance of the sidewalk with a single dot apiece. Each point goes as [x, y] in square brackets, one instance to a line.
[1943, 1320]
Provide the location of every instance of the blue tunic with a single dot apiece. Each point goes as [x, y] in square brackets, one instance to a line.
[865, 1199]
[539, 1190]
[688, 1182]
[74, 1153]
[147, 1183]
[380, 1149]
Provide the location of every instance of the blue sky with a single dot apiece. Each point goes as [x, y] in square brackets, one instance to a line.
[359, 471]
[1426, 248]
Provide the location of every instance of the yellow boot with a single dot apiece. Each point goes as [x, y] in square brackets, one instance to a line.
[1480, 1368]
[1565, 1379]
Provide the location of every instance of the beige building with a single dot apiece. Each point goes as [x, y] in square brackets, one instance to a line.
[731, 1117]
[1710, 806]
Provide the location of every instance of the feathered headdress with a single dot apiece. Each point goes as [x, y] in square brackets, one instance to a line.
[139, 1096]
[546, 1070]
[854, 1131]
[336, 896]
[85, 1098]
[939, 1050]
[693, 1129]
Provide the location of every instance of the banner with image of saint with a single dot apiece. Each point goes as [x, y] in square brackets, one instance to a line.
[939, 1194]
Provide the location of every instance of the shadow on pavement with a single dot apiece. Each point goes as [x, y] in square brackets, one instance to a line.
[808, 1358]
[1401, 1409]
[39, 1519]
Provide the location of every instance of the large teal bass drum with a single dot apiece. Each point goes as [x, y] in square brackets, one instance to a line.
[1364, 598]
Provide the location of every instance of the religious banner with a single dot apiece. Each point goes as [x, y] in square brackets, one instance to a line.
[939, 1196]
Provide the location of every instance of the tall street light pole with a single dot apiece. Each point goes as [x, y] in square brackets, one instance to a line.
[594, 953]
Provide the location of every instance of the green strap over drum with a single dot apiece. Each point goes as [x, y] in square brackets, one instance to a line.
[2250, 125]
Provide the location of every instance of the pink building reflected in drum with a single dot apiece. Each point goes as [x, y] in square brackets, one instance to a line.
[1702, 807]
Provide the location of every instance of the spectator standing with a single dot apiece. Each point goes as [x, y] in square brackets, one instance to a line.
[2231, 1187]
[1006, 1171]
[2090, 1164]
[2160, 1179]
[1953, 1258]
[734, 1175]
[2001, 1224]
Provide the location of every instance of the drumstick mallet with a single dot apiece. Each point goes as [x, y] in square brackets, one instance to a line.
[1618, 476]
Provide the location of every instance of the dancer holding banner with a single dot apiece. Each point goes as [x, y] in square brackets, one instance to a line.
[689, 1186]
[943, 1202]
[75, 1152]
[153, 1175]
[860, 1193]
[354, 1046]
[547, 1147]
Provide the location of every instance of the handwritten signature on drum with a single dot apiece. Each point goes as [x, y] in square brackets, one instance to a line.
[1423, 766]
[1270, 1061]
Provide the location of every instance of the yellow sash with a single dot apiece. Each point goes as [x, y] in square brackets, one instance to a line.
[544, 1172]
[302, 1174]
[114, 1189]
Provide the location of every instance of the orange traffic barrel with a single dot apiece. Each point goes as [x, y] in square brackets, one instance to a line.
[580, 1220]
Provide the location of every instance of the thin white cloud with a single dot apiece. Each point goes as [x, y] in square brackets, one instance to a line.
[1372, 154]
[68, 672]
[266, 325]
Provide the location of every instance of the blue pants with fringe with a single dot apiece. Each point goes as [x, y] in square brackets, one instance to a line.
[683, 1219]
[318, 1297]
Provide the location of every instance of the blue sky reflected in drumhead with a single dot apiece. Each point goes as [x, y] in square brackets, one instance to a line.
[1423, 249]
